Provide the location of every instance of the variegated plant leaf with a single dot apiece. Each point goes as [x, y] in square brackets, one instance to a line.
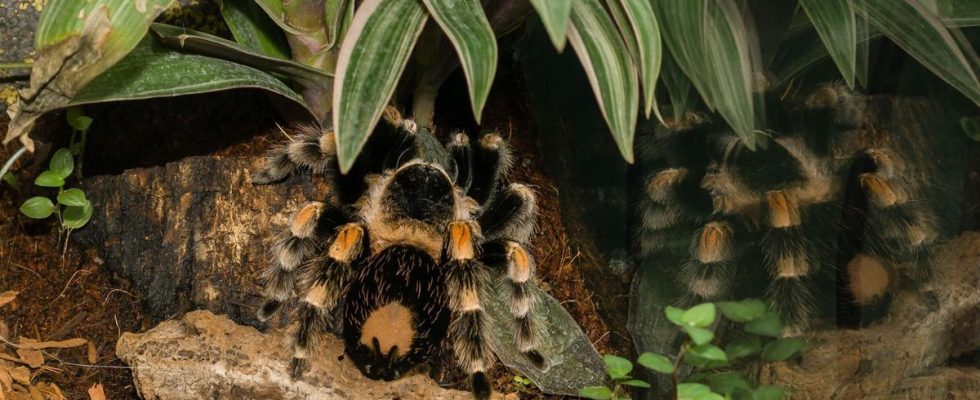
[554, 15]
[836, 24]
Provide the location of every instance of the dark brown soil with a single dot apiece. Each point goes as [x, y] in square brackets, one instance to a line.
[64, 294]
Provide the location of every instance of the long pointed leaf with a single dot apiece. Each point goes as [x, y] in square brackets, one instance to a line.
[678, 87]
[554, 16]
[610, 70]
[372, 58]
[708, 40]
[154, 70]
[76, 41]
[727, 49]
[253, 29]
[470, 33]
[836, 24]
[644, 28]
[317, 86]
[924, 37]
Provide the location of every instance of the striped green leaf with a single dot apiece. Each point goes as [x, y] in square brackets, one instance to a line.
[468, 30]
[836, 24]
[76, 41]
[334, 14]
[154, 70]
[678, 87]
[639, 28]
[372, 58]
[710, 43]
[316, 86]
[554, 16]
[923, 36]
[610, 70]
[253, 29]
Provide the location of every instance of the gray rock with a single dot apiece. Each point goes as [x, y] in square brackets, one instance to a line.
[207, 356]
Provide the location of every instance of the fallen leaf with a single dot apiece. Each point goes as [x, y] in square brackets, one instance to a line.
[33, 358]
[93, 354]
[96, 392]
[52, 391]
[21, 375]
[35, 393]
[61, 344]
[7, 297]
[6, 381]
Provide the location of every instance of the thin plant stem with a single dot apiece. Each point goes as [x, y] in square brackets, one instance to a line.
[677, 365]
[11, 161]
[16, 65]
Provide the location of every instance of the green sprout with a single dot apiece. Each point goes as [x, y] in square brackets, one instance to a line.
[71, 206]
[715, 371]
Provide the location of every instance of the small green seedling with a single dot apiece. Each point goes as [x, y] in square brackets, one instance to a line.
[715, 371]
[522, 384]
[71, 206]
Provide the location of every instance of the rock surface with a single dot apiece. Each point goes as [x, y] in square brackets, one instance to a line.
[194, 234]
[910, 355]
[207, 356]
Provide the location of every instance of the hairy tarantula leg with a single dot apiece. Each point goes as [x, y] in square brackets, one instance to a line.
[785, 248]
[326, 284]
[901, 226]
[466, 278]
[710, 266]
[510, 214]
[311, 150]
[491, 161]
[520, 270]
[293, 247]
[462, 156]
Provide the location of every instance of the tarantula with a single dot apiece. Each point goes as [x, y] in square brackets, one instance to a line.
[824, 194]
[407, 246]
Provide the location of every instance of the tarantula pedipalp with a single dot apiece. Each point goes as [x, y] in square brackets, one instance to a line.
[406, 249]
[779, 220]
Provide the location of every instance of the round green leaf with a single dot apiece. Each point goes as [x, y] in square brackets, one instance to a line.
[72, 197]
[728, 382]
[708, 352]
[700, 315]
[656, 362]
[635, 383]
[699, 335]
[75, 217]
[971, 126]
[743, 347]
[674, 315]
[781, 349]
[690, 391]
[62, 163]
[37, 207]
[617, 366]
[595, 392]
[709, 396]
[743, 311]
[50, 179]
[767, 325]
[768, 393]
[77, 119]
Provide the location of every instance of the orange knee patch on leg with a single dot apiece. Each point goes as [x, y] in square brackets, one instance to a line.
[393, 326]
[461, 241]
[879, 191]
[714, 242]
[869, 278]
[519, 268]
[784, 211]
[304, 222]
[347, 243]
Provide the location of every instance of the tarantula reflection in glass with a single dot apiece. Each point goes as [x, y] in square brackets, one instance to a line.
[407, 247]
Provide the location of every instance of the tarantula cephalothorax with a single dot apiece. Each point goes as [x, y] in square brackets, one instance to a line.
[408, 249]
[835, 193]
